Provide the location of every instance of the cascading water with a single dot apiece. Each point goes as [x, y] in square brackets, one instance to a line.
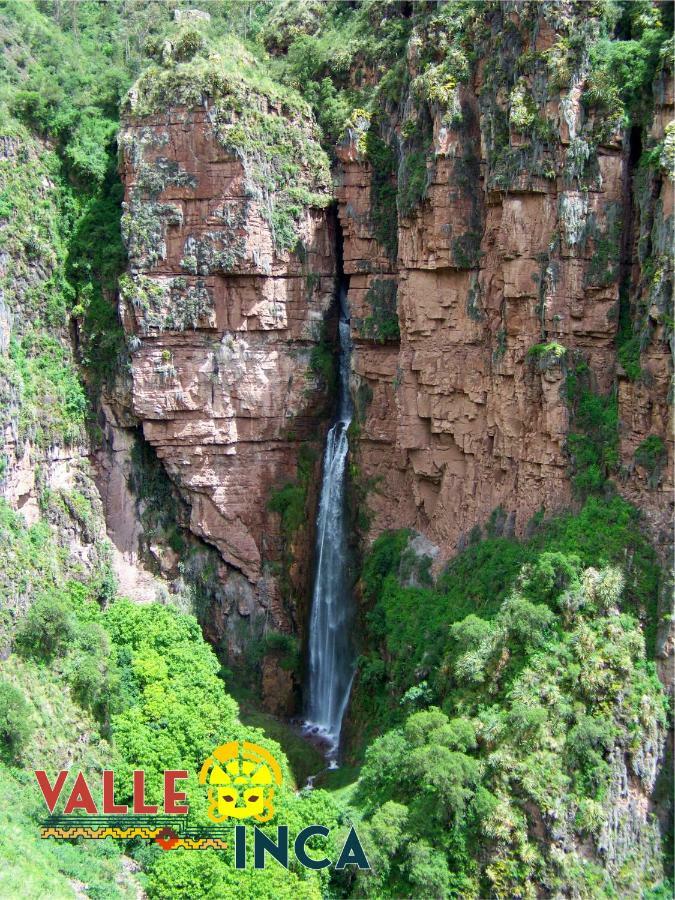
[331, 656]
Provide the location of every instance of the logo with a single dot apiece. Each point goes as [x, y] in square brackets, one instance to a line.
[242, 780]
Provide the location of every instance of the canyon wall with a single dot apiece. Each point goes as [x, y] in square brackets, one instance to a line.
[507, 273]
[506, 239]
[226, 330]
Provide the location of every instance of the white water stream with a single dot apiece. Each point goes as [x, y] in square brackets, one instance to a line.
[331, 657]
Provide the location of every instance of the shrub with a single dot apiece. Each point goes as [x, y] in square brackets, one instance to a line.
[289, 502]
[545, 356]
[622, 71]
[322, 363]
[382, 159]
[188, 44]
[382, 324]
[47, 630]
[593, 440]
[290, 20]
[413, 181]
[15, 727]
[652, 455]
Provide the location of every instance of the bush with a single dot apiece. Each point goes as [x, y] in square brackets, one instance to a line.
[382, 159]
[652, 455]
[413, 181]
[382, 324]
[289, 502]
[622, 71]
[545, 356]
[47, 630]
[15, 727]
[593, 440]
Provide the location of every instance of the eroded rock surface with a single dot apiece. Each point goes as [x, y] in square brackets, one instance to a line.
[507, 278]
[222, 324]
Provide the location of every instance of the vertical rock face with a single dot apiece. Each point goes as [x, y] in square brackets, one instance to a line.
[223, 319]
[645, 401]
[45, 472]
[503, 275]
[502, 245]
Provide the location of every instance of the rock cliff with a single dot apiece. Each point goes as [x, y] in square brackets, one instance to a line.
[503, 275]
[505, 234]
[226, 324]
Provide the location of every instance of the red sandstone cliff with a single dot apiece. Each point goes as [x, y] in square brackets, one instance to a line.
[513, 248]
[222, 322]
[497, 236]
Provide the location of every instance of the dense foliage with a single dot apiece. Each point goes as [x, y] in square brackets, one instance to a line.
[132, 686]
[534, 690]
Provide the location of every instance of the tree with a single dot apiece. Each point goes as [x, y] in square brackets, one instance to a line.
[47, 630]
[15, 726]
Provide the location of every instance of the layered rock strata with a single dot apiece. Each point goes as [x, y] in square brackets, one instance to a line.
[506, 277]
[223, 322]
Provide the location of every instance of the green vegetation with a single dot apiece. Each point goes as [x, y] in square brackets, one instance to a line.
[628, 343]
[15, 727]
[623, 69]
[478, 581]
[322, 363]
[414, 179]
[60, 199]
[545, 356]
[652, 455]
[53, 405]
[317, 47]
[533, 656]
[593, 439]
[382, 159]
[285, 168]
[382, 324]
[290, 501]
[498, 706]
[132, 686]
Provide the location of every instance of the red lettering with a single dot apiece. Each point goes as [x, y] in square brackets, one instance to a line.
[109, 805]
[51, 794]
[171, 795]
[140, 805]
[80, 797]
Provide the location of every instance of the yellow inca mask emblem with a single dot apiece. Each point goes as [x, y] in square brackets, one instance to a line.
[241, 782]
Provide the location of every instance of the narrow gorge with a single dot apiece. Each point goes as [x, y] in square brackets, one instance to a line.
[336, 365]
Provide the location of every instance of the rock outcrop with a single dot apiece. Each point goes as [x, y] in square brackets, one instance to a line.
[490, 216]
[225, 324]
[504, 272]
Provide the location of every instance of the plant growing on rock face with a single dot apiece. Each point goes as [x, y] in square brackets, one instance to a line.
[546, 356]
[266, 126]
[652, 455]
[382, 324]
[15, 727]
[623, 70]
[523, 111]
[593, 438]
[383, 190]
[414, 176]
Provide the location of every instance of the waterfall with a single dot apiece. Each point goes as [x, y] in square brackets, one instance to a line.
[331, 657]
